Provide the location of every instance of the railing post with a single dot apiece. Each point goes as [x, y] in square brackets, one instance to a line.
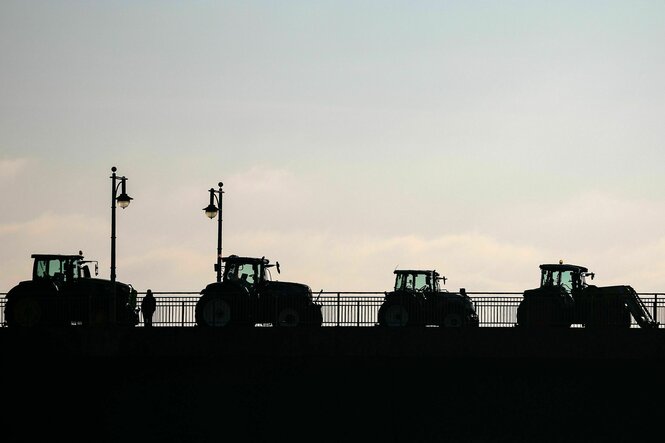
[338, 307]
[655, 308]
[357, 312]
[182, 315]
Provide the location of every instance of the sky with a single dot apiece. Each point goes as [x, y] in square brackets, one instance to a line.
[353, 138]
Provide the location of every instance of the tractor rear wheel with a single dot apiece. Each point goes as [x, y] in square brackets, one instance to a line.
[24, 312]
[216, 311]
[541, 313]
[395, 314]
[99, 317]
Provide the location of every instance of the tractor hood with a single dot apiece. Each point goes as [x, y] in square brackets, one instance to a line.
[289, 288]
[278, 288]
[106, 284]
[94, 282]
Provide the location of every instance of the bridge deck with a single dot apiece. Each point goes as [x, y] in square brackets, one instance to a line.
[332, 384]
[495, 343]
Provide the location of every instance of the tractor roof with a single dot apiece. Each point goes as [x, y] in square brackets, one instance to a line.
[563, 267]
[238, 259]
[57, 256]
[414, 271]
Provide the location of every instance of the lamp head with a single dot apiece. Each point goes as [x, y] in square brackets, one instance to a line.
[123, 200]
[211, 211]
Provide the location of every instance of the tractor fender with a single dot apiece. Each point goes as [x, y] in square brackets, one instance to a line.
[33, 287]
[224, 287]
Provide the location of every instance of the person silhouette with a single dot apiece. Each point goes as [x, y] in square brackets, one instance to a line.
[148, 306]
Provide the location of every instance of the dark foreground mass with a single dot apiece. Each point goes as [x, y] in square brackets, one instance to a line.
[305, 388]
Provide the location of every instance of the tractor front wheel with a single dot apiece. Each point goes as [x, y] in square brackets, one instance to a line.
[608, 316]
[288, 317]
[452, 320]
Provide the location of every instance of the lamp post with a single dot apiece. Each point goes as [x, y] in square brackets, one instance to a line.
[211, 212]
[123, 201]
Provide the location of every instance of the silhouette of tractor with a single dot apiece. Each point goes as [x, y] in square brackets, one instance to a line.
[247, 296]
[62, 293]
[418, 300]
[564, 298]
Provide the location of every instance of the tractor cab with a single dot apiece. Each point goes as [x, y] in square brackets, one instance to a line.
[570, 278]
[61, 268]
[417, 281]
[247, 271]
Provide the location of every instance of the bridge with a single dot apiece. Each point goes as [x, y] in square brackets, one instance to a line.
[360, 309]
[349, 330]
[347, 380]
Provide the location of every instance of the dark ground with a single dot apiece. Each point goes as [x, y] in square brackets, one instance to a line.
[347, 384]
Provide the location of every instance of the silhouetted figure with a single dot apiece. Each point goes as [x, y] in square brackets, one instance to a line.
[148, 306]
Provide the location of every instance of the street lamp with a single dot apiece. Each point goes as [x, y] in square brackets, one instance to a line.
[211, 212]
[123, 201]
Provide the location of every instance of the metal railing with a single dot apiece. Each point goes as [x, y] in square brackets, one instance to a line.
[359, 309]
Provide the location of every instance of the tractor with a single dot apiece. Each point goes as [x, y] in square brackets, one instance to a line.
[247, 296]
[418, 300]
[63, 293]
[565, 298]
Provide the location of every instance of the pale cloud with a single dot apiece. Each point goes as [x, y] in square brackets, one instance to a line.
[474, 261]
[265, 180]
[641, 267]
[10, 168]
[48, 233]
[170, 268]
[366, 264]
[53, 228]
[592, 223]
[174, 250]
[324, 262]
